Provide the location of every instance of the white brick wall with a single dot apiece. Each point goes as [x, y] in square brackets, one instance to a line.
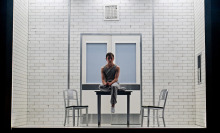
[174, 52]
[19, 63]
[174, 59]
[200, 89]
[47, 61]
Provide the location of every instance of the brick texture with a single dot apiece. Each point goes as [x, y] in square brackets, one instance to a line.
[200, 89]
[174, 59]
[19, 63]
[174, 53]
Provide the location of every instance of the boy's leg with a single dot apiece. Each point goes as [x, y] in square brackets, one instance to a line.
[114, 92]
[103, 88]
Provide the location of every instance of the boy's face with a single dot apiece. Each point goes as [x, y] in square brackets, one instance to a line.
[110, 59]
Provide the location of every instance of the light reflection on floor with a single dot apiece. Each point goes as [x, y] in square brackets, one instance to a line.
[107, 126]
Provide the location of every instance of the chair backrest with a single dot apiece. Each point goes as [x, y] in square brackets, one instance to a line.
[163, 98]
[70, 95]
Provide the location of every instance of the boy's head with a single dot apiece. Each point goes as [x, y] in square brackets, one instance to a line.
[110, 57]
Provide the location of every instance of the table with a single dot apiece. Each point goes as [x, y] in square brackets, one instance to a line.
[99, 93]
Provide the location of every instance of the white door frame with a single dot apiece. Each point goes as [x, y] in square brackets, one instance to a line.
[108, 34]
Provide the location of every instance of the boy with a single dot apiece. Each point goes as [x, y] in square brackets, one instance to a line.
[110, 74]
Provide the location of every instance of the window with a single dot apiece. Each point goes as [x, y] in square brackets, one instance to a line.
[95, 59]
[127, 55]
[94, 49]
[199, 69]
[126, 58]
[127, 50]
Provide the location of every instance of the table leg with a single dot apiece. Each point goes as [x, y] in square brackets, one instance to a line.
[73, 117]
[87, 117]
[99, 109]
[128, 110]
[148, 117]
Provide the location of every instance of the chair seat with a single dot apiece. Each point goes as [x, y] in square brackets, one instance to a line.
[85, 106]
[153, 107]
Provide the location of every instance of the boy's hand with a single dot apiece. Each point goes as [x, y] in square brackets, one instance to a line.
[109, 83]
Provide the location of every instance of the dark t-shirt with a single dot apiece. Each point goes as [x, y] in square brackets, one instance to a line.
[109, 73]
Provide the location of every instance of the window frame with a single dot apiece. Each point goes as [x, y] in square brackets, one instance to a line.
[85, 41]
[129, 39]
[111, 41]
[89, 88]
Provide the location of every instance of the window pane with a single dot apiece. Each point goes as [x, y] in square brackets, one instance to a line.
[125, 56]
[95, 59]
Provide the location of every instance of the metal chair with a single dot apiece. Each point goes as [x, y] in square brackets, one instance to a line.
[162, 101]
[71, 95]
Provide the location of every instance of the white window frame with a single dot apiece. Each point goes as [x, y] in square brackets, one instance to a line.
[129, 39]
[92, 39]
[111, 41]
[89, 94]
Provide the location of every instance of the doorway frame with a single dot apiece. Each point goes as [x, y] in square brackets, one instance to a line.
[112, 34]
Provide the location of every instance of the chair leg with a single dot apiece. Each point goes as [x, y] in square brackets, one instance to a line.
[163, 119]
[148, 117]
[78, 117]
[65, 118]
[68, 121]
[164, 122]
[111, 119]
[73, 117]
[142, 116]
[158, 119]
[87, 117]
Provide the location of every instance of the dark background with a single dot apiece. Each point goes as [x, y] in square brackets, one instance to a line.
[212, 40]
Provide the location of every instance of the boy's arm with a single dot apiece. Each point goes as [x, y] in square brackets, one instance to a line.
[102, 76]
[116, 76]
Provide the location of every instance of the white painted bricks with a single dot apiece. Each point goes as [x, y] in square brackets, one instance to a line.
[174, 53]
[200, 89]
[19, 63]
